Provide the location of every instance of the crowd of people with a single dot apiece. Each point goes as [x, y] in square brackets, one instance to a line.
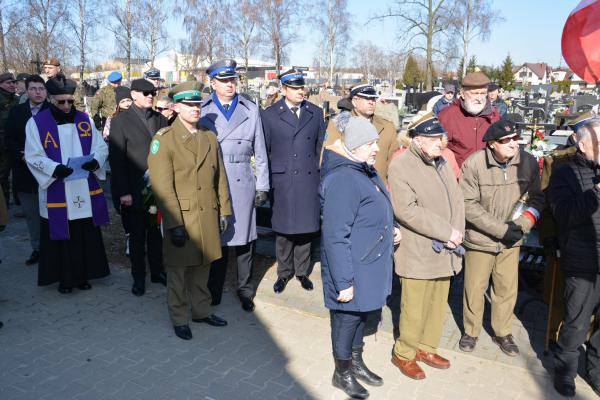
[454, 194]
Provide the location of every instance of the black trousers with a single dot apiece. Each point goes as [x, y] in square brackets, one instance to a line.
[582, 297]
[293, 254]
[218, 271]
[144, 239]
[347, 332]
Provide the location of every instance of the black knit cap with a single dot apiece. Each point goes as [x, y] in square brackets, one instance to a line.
[121, 93]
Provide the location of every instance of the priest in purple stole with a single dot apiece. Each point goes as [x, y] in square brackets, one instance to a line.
[71, 210]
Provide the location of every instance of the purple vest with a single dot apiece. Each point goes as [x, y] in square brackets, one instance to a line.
[57, 199]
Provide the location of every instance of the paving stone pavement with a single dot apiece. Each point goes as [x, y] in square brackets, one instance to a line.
[108, 344]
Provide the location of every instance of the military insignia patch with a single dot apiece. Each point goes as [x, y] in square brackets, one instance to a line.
[155, 146]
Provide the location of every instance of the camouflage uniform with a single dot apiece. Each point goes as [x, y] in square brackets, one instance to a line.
[104, 104]
[7, 101]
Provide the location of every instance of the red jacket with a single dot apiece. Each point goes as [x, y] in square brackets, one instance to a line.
[465, 131]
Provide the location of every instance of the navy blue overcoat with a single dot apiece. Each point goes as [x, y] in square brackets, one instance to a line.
[357, 234]
[294, 145]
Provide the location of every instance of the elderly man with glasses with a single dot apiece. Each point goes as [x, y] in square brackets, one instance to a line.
[503, 200]
[131, 132]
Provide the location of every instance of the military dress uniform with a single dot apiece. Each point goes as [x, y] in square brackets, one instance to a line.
[104, 103]
[237, 124]
[7, 101]
[189, 183]
[294, 144]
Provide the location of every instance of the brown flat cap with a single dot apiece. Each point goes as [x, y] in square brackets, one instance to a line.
[53, 61]
[7, 76]
[475, 79]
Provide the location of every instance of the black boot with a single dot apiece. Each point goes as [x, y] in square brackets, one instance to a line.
[343, 379]
[360, 370]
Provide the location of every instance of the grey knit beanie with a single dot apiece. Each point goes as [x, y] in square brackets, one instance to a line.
[358, 131]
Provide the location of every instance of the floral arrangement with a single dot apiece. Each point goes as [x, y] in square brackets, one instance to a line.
[150, 203]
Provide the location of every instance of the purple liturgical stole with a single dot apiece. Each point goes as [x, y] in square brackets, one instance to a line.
[57, 199]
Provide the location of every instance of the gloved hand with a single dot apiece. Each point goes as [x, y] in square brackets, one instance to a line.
[2, 227]
[260, 198]
[223, 223]
[62, 171]
[512, 235]
[91, 165]
[178, 236]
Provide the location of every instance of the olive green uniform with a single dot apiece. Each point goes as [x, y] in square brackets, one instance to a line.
[189, 182]
[7, 101]
[104, 102]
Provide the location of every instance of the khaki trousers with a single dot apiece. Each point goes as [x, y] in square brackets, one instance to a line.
[503, 267]
[187, 286]
[422, 315]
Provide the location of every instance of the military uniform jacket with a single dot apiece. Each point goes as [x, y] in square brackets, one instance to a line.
[190, 185]
[294, 145]
[104, 102]
[7, 101]
[240, 138]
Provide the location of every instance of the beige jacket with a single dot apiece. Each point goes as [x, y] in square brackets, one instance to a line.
[428, 204]
[491, 191]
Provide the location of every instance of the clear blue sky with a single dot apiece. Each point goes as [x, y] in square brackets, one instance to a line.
[531, 31]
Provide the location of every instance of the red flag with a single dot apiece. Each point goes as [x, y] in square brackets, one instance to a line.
[581, 40]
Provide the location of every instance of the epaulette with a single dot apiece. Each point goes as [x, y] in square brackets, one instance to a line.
[164, 130]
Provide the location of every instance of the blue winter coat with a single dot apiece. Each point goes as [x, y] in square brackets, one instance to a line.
[240, 138]
[356, 234]
[294, 146]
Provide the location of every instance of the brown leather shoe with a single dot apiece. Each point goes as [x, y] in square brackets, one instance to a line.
[432, 359]
[409, 368]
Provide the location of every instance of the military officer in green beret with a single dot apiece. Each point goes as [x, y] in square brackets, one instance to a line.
[190, 185]
[8, 100]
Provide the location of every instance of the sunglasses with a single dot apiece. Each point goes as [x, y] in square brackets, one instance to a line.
[61, 102]
[505, 140]
[161, 109]
[149, 93]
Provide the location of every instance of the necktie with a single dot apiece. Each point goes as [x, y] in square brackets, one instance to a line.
[226, 107]
[295, 111]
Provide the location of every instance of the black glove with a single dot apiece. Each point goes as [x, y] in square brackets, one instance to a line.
[62, 171]
[223, 223]
[2, 227]
[91, 165]
[178, 236]
[260, 198]
[512, 235]
[97, 121]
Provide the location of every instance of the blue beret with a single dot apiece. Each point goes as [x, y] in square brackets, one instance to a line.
[115, 77]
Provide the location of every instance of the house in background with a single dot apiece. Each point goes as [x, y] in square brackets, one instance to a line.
[530, 74]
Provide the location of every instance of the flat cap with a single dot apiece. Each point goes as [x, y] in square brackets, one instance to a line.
[142, 85]
[23, 76]
[7, 76]
[222, 69]
[52, 61]
[60, 85]
[187, 92]
[499, 130]
[448, 87]
[363, 89]
[152, 73]
[475, 79]
[115, 77]
[426, 125]
[292, 78]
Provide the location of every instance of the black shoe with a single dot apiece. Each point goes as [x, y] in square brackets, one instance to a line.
[279, 286]
[305, 282]
[507, 345]
[64, 290]
[160, 278]
[247, 304]
[467, 343]
[212, 320]
[360, 370]
[345, 380]
[564, 386]
[183, 332]
[33, 258]
[84, 286]
[138, 288]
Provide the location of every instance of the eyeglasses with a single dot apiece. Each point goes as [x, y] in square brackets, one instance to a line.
[505, 140]
[61, 102]
[161, 109]
[149, 93]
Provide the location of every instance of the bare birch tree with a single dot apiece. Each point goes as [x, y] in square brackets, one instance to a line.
[47, 21]
[83, 21]
[275, 22]
[243, 30]
[333, 23]
[124, 28]
[11, 15]
[152, 28]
